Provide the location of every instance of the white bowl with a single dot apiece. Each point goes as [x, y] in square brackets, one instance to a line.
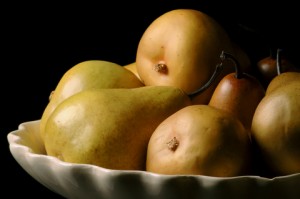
[89, 181]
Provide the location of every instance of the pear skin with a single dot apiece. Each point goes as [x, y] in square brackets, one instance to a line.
[238, 93]
[267, 66]
[181, 48]
[238, 96]
[282, 80]
[276, 129]
[88, 75]
[199, 140]
[110, 128]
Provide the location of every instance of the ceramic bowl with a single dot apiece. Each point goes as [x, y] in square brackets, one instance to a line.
[89, 181]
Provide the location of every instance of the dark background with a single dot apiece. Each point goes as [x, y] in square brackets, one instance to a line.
[39, 43]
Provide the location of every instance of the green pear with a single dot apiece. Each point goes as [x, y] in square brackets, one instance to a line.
[110, 127]
[87, 75]
[199, 140]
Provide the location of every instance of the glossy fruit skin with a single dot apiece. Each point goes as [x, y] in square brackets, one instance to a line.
[276, 129]
[88, 75]
[209, 142]
[110, 127]
[189, 43]
[239, 96]
[267, 68]
[282, 80]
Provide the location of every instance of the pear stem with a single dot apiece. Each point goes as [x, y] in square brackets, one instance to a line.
[218, 69]
[238, 71]
[278, 61]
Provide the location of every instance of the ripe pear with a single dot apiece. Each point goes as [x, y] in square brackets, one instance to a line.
[267, 66]
[283, 75]
[282, 80]
[87, 75]
[238, 93]
[181, 48]
[200, 140]
[276, 129]
[110, 128]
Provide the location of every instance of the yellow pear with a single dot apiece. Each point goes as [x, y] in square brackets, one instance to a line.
[200, 140]
[182, 48]
[110, 127]
[282, 79]
[276, 129]
[87, 75]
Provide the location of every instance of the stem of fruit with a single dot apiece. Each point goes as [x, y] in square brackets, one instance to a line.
[237, 67]
[218, 69]
[278, 61]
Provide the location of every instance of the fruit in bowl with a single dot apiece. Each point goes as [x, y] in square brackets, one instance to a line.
[181, 48]
[110, 127]
[95, 139]
[199, 140]
[276, 122]
[72, 180]
[238, 93]
[88, 75]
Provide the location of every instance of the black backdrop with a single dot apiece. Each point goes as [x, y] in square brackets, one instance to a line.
[40, 42]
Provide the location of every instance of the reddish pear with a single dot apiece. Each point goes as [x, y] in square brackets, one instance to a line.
[267, 67]
[238, 93]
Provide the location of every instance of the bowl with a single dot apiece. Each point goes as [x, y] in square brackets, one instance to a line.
[89, 181]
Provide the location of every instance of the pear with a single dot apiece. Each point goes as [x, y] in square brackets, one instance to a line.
[282, 80]
[283, 75]
[181, 48]
[268, 66]
[276, 129]
[87, 75]
[199, 140]
[233, 92]
[110, 128]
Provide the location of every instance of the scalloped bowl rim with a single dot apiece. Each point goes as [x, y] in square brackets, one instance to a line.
[89, 181]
